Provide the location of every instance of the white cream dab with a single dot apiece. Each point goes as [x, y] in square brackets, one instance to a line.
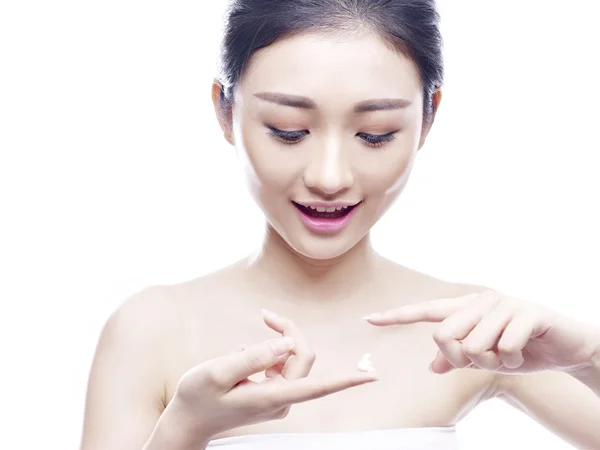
[365, 364]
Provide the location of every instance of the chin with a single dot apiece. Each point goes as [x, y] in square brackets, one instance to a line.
[317, 245]
[322, 249]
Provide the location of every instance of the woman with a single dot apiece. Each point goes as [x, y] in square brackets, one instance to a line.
[327, 104]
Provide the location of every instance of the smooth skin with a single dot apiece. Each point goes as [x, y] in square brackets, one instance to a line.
[156, 349]
[497, 333]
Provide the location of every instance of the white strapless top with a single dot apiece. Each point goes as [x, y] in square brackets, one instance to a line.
[432, 438]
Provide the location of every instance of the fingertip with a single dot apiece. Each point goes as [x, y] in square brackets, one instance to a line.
[371, 316]
[381, 322]
[440, 365]
[269, 315]
[374, 319]
[273, 320]
[371, 376]
[367, 376]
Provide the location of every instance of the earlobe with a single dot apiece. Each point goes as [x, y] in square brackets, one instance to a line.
[436, 99]
[222, 111]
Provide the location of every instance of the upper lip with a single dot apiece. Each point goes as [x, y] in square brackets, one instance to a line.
[327, 204]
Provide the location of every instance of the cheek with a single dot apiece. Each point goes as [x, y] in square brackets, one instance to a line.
[266, 164]
[387, 174]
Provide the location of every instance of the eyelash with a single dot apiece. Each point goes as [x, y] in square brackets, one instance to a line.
[293, 137]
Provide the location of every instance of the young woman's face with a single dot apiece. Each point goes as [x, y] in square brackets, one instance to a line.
[327, 123]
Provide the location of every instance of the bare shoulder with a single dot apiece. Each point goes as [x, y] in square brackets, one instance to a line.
[149, 316]
[141, 327]
[155, 324]
[125, 394]
[143, 349]
[174, 304]
[418, 286]
[207, 297]
[205, 316]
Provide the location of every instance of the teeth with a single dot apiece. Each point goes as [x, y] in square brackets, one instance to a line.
[327, 209]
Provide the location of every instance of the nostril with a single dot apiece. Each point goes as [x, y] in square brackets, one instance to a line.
[329, 186]
[329, 176]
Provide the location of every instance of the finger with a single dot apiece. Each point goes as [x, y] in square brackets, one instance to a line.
[273, 372]
[279, 414]
[440, 364]
[428, 311]
[486, 334]
[457, 327]
[487, 360]
[514, 339]
[277, 369]
[310, 388]
[302, 359]
[479, 346]
[226, 371]
[238, 349]
[244, 382]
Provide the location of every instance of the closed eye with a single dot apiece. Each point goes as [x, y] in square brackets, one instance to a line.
[377, 140]
[293, 137]
[287, 137]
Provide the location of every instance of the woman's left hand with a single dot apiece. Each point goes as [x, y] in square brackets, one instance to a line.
[497, 333]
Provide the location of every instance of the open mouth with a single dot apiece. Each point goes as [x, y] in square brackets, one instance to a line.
[320, 212]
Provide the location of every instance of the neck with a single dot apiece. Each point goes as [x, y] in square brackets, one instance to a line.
[288, 274]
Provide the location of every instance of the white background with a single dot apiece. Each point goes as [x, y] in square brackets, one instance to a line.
[114, 176]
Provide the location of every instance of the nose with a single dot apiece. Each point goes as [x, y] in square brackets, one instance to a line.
[329, 172]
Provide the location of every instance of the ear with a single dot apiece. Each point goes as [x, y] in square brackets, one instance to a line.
[223, 111]
[436, 99]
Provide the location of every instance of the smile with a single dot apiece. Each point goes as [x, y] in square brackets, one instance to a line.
[326, 218]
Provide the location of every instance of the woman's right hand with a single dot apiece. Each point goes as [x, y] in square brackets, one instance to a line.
[217, 395]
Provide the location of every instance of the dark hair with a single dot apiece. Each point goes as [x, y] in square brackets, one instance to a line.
[408, 26]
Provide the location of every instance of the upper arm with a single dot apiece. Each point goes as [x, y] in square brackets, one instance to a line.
[125, 388]
[557, 401]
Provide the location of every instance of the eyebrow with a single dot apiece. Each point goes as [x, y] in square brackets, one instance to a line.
[296, 101]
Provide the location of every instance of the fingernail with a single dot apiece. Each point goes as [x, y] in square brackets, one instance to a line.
[282, 345]
[371, 316]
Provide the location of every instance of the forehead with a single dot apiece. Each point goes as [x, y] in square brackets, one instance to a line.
[343, 70]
